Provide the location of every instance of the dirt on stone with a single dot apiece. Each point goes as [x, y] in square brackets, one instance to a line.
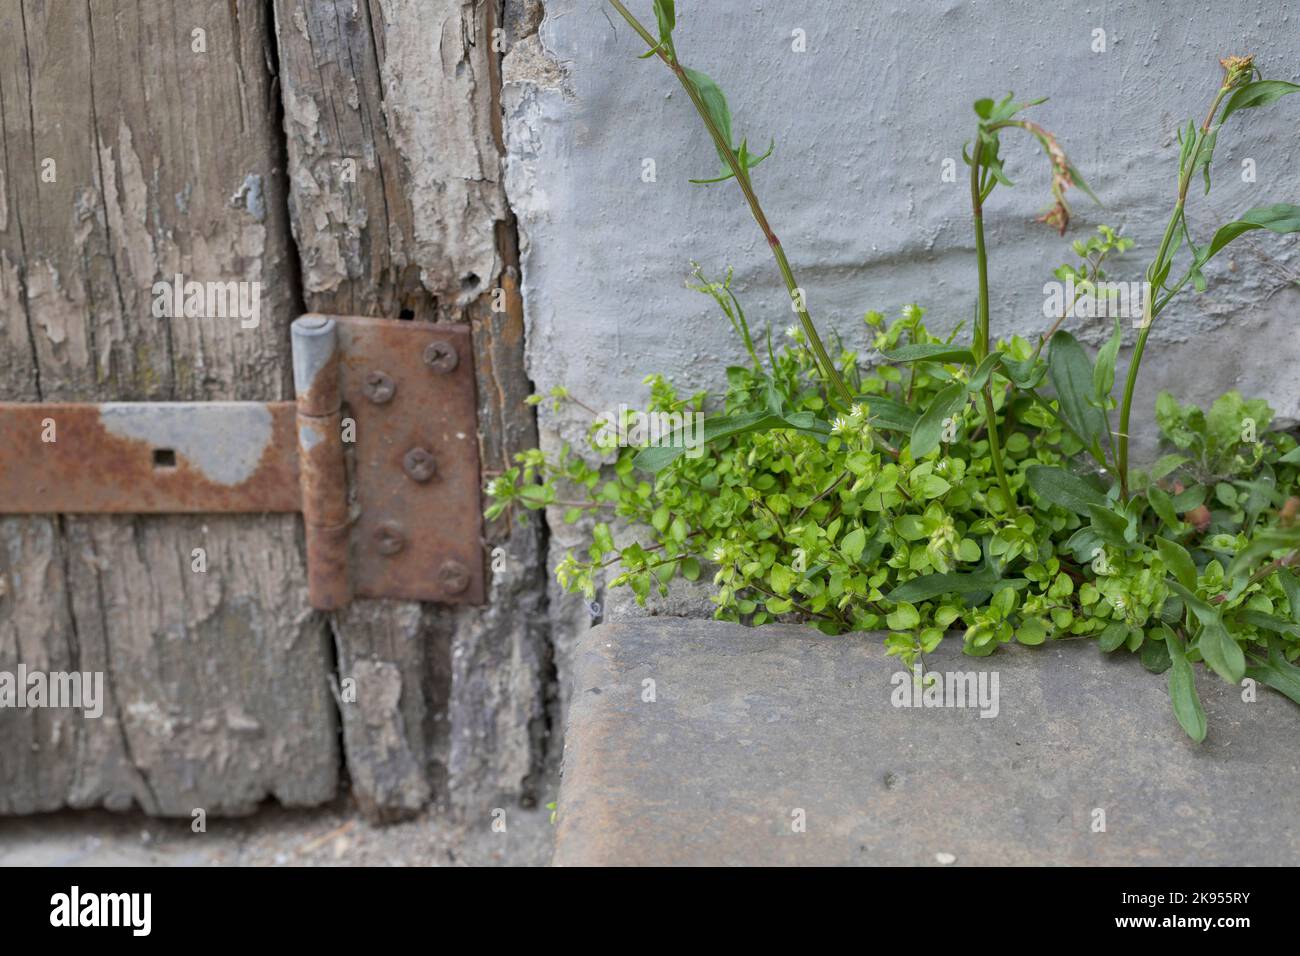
[336, 835]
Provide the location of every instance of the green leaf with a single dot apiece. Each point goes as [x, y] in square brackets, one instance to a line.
[1031, 632]
[932, 585]
[1103, 373]
[1291, 587]
[809, 424]
[1189, 498]
[1026, 374]
[1267, 622]
[715, 104]
[659, 520]
[903, 618]
[1280, 218]
[1072, 377]
[853, 544]
[981, 374]
[890, 415]
[932, 486]
[1261, 546]
[655, 458]
[1079, 182]
[1115, 634]
[666, 15]
[1199, 608]
[1109, 526]
[1059, 487]
[775, 606]
[1277, 672]
[1182, 689]
[1178, 561]
[930, 352]
[1204, 156]
[929, 427]
[747, 161]
[1155, 656]
[1257, 94]
[1186, 140]
[1216, 645]
[1222, 653]
[782, 579]
[1163, 506]
[1167, 464]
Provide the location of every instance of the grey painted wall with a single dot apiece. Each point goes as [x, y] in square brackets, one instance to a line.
[863, 121]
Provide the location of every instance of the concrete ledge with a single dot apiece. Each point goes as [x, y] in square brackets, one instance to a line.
[750, 726]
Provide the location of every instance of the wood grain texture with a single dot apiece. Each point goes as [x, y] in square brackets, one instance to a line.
[166, 160]
[376, 192]
[398, 209]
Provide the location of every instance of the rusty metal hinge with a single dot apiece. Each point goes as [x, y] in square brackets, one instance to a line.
[379, 453]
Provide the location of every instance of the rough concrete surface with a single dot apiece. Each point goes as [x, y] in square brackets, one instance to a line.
[863, 121]
[753, 730]
[335, 835]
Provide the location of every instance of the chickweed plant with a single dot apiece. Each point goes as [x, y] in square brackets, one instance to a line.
[975, 487]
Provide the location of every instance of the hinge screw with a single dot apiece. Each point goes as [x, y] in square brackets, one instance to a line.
[453, 576]
[379, 388]
[419, 464]
[388, 538]
[441, 356]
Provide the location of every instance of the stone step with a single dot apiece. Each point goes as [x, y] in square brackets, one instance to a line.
[698, 742]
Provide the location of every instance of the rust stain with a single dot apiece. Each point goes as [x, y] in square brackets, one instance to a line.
[440, 519]
[91, 467]
[394, 532]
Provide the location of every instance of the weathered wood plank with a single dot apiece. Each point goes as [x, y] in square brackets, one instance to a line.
[397, 206]
[166, 160]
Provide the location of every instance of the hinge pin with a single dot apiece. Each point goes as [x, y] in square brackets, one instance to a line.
[321, 469]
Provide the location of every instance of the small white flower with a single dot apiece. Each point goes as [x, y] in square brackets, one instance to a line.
[793, 332]
[858, 411]
[719, 554]
[840, 425]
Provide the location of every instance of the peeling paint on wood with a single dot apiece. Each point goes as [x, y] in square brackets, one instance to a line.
[397, 209]
[217, 681]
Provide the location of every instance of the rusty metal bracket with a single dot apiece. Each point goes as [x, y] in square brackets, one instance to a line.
[379, 453]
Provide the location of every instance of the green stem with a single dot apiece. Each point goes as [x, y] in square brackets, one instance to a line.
[1153, 309]
[981, 344]
[829, 372]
